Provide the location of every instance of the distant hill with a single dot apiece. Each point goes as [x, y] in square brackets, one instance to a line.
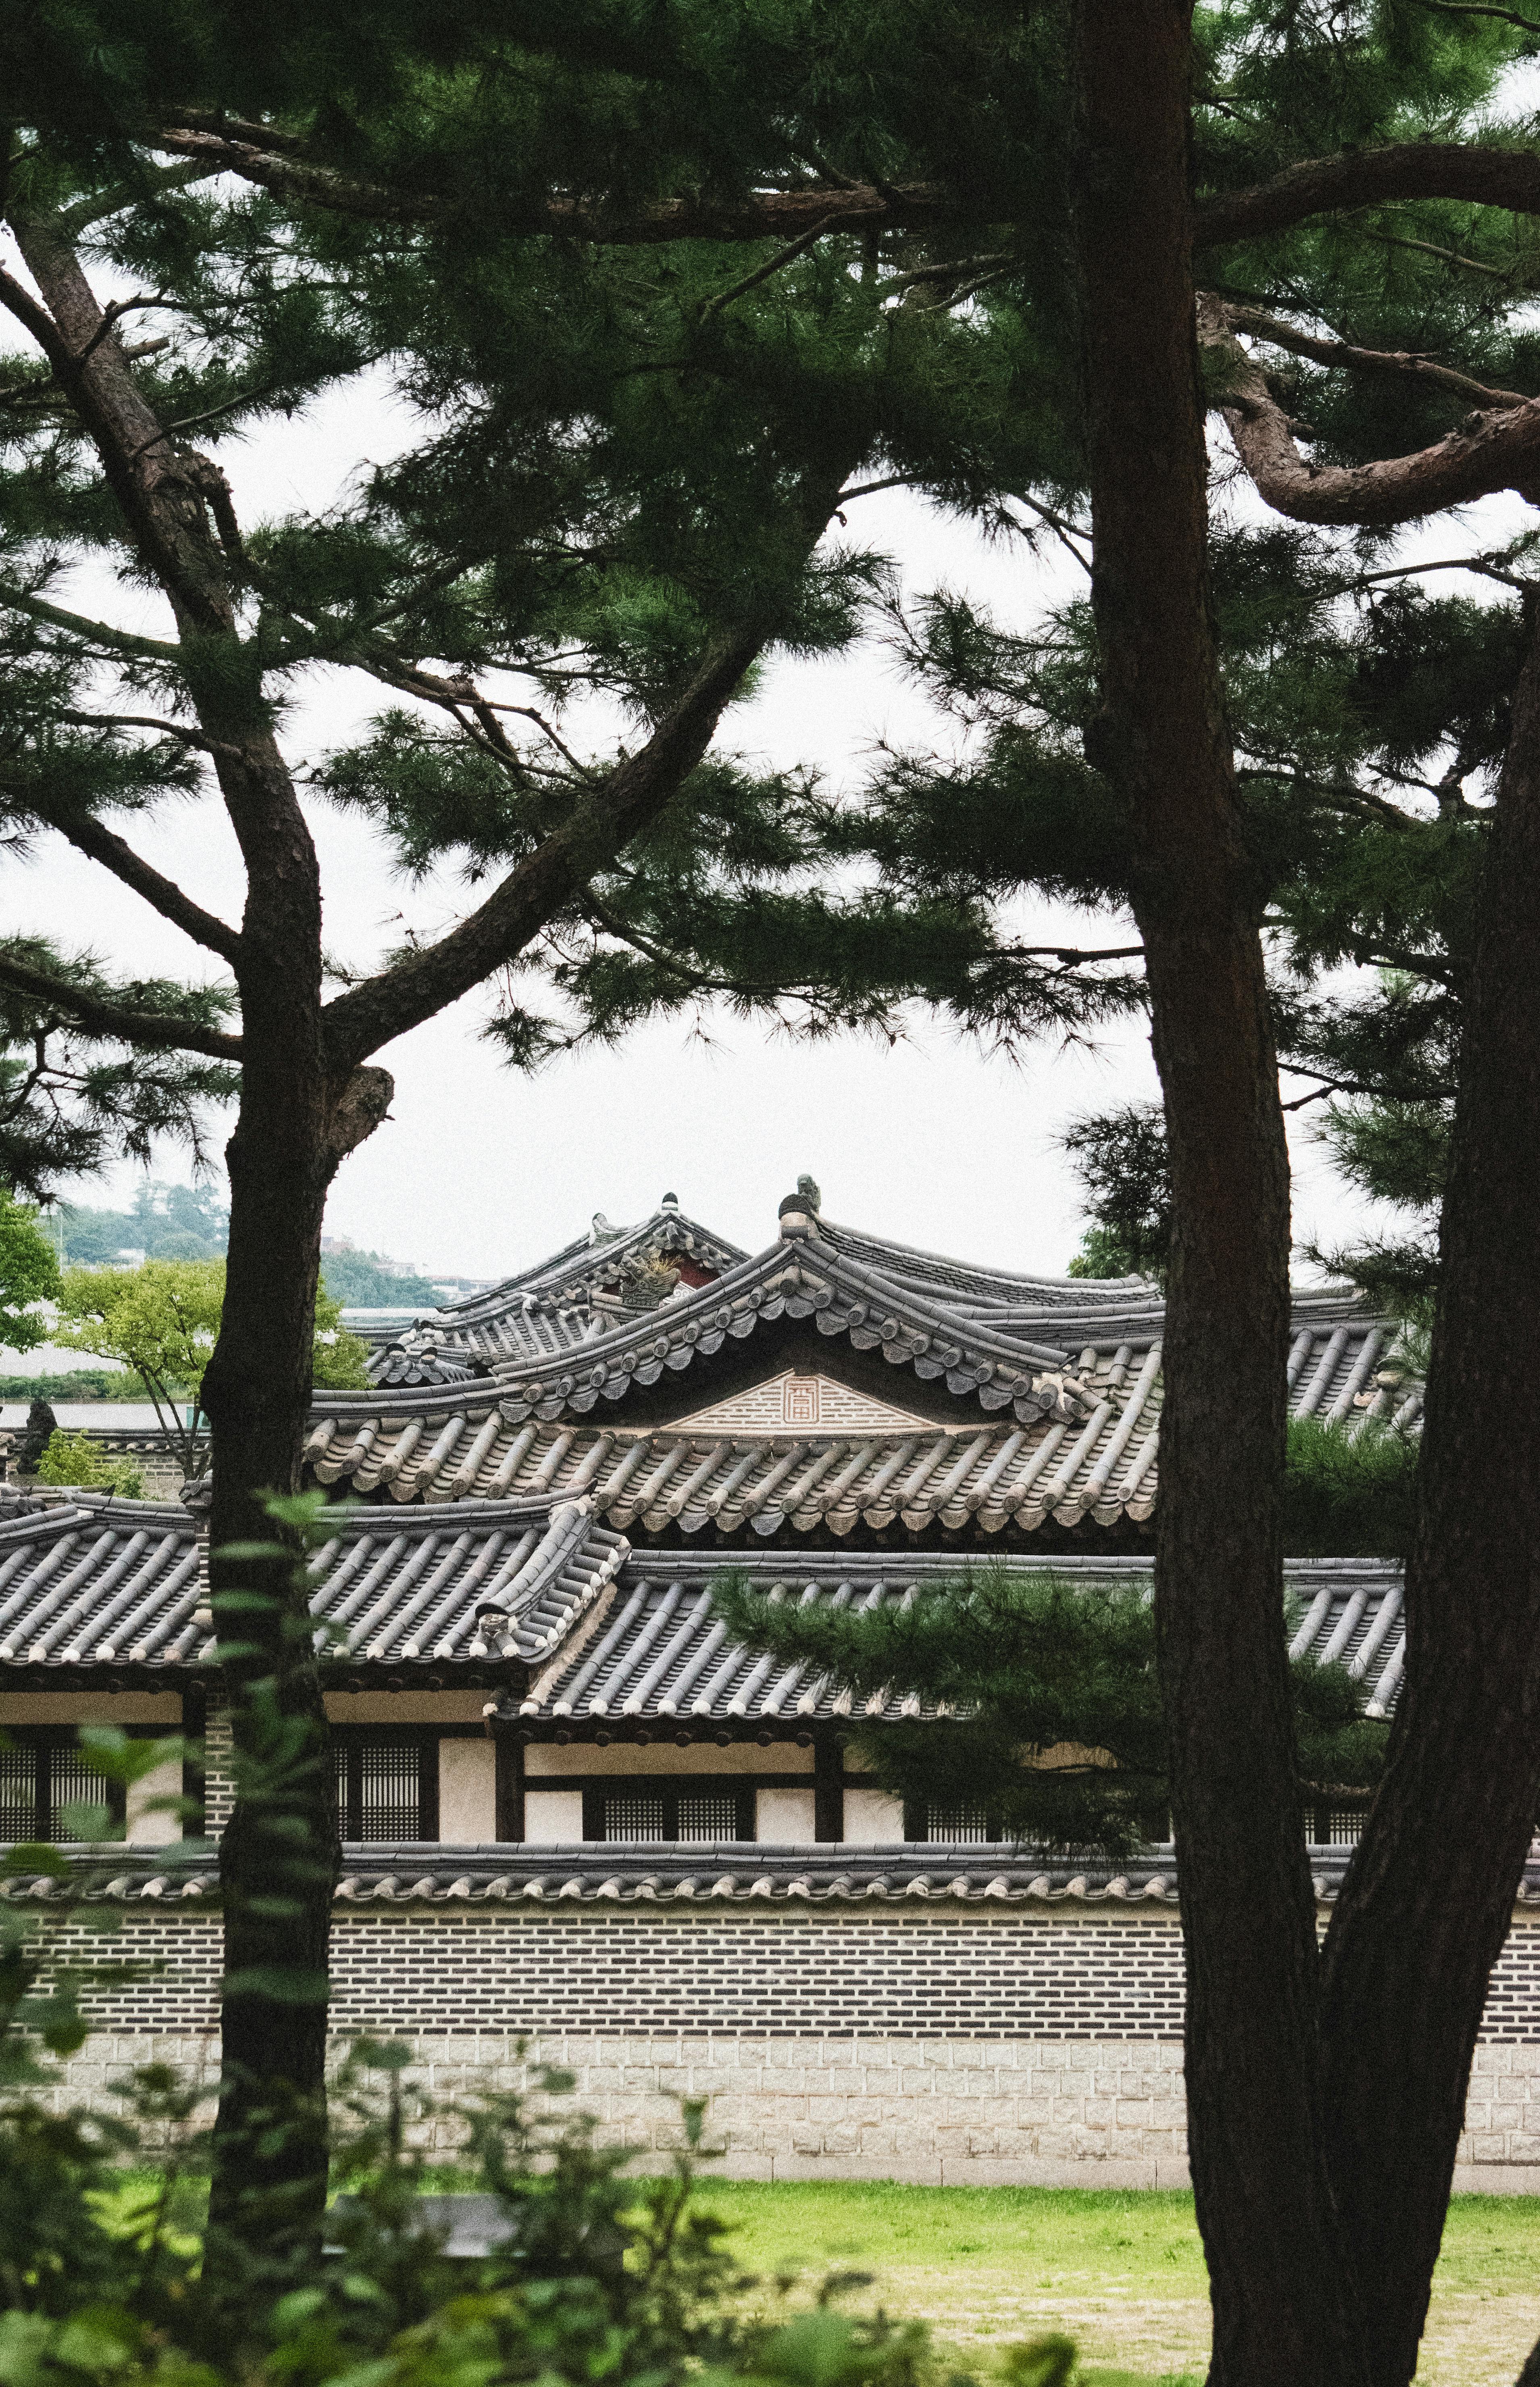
[187, 1222]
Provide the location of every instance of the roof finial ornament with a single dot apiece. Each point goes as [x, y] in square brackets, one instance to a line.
[798, 1212]
[670, 1202]
[600, 1232]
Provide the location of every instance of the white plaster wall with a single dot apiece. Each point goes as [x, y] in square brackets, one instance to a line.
[467, 1792]
[154, 1829]
[874, 1819]
[784, 1818]
[553, 1815]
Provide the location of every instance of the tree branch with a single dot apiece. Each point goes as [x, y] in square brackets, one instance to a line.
[1260, 326]
[1470, 8]
[1476, 564]
[148, 1031]
[759, 215]
[1497, 450]
[602, 823]
[80, 625]
[783, 257]
[1403, 170]
[89, 837]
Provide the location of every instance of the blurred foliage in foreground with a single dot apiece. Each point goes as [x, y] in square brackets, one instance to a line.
[597, 2277]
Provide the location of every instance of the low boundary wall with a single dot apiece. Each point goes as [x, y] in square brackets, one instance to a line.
[949, 2046]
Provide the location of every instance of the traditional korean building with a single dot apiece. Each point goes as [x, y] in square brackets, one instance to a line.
[578, 1813]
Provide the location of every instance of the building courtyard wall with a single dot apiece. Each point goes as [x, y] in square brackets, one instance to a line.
[836, 2044]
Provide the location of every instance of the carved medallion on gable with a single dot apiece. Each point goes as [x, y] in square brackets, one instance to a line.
[805, 1404]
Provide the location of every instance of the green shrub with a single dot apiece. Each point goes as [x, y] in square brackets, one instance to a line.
[76, 1459]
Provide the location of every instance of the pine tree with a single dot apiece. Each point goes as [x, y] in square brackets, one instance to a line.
[624, 457]
[1048, 1711]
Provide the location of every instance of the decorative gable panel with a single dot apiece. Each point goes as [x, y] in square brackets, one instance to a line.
[808, 1404]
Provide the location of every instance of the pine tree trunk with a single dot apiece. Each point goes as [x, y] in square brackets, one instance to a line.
[1280, 2314]
[270, 2138]
[279, 1855]
[1429, 1896]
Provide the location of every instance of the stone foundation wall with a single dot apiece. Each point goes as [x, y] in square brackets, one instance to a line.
[1041, 2049]
[949, 2112]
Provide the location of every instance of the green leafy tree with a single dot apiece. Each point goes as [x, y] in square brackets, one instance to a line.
[1120, 1159]
[29, 1276]
[161, 1322]
[368, 1281]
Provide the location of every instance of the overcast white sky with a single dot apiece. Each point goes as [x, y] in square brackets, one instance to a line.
[479, 1170]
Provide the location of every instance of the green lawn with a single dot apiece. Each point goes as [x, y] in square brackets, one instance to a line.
[1119, 2271]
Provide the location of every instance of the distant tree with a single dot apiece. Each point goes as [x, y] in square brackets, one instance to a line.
[166, 1222]
[162, 1322]
[369, 1281]
[29, 1276]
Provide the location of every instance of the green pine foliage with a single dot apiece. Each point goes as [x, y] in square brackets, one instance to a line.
[70, 1101]
[1046, 1709]
[1120, 1159]
[1348, 1495]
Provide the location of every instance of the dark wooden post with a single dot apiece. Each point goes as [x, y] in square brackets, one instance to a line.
[510, 1786]
[829, 1788]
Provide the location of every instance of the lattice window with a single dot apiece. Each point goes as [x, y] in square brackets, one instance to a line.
[383, 1788]
[1336, 1828]
[958, 1824]
[708, 1816]
[668, 1811]
[19, 1816]
[633, 1816]
[39, 1779]
[73, 1783]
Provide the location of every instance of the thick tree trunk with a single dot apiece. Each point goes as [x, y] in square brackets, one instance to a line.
[1248, 1916]
[1428, 1899]
[279, 1855]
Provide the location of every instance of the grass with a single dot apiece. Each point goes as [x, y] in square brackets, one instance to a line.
[1120, 2271]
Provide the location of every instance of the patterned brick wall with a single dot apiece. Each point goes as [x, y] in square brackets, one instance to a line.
[949, 2045]
[219, 1786]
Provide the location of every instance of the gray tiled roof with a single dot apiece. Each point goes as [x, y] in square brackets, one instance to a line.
[98, 1581]
[545, 1310]
[1082, 1439]
[913, 1873]
[664, 1655]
